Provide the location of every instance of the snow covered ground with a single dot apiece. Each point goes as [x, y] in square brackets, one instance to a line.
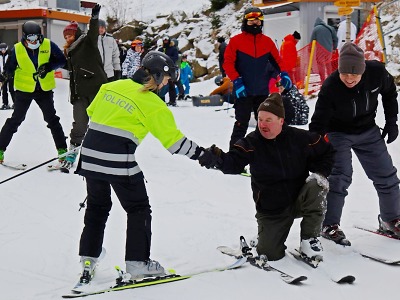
[195, 210]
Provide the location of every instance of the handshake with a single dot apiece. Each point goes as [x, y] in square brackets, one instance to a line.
[211, 157]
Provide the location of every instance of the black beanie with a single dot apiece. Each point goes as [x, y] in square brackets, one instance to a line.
[273, 104]
[296, 35]
[351, 59]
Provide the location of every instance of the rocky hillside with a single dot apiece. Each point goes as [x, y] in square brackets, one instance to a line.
[196, 34]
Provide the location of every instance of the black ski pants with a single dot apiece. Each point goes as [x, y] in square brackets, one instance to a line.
[8, 86]
[22, 103]
[243, 108]
[134, 200]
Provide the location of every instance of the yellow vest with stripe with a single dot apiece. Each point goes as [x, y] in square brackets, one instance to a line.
[121, 104]
[24, 79]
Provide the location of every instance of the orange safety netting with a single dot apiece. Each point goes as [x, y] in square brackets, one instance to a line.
[324, 62]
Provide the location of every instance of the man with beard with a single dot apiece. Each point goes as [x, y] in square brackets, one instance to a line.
[246, 61]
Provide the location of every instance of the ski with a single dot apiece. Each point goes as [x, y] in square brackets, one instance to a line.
[260, 262]
[314, 263]
[378, 258]
[14, 167]
[122, 284]
[63, 166]
[379, 232]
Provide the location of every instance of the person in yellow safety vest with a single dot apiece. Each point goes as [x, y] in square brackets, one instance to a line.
[32, 63]
[121, 115]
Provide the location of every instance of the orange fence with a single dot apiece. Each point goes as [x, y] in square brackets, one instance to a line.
[310, 73]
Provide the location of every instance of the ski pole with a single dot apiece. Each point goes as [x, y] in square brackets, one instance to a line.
[223, 109]
[41, 164]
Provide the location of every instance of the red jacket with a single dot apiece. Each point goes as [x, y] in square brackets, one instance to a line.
[248, 56]
[288, 52]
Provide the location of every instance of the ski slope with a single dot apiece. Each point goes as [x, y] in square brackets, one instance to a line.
[195, 210]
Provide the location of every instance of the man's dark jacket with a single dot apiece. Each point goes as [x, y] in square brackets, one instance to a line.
[280, 166]
[85, 64]
[353, 110]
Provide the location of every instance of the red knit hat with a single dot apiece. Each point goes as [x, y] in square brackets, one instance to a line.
[70, 29]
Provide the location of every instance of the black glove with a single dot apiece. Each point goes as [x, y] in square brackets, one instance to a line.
[391, 130]
[211, 157]
[43, 70]
[117, 74]
[96, 11]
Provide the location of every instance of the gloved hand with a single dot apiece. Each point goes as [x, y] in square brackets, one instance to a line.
[96, 11]
[211, 157]
[285, 80]
[43, 70]
[391, 130]
[117, 74]
[239, 88]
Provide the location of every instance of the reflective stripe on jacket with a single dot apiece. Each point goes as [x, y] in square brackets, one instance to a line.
[121, 116]
[24, 78]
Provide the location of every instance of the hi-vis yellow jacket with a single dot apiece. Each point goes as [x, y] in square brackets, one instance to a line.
[120, 118]
[24, 79]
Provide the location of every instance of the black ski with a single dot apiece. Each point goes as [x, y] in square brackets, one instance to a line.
[260, 262]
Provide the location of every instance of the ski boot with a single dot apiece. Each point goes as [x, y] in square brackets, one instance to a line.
[391, 228]
[311, 251]
[334, 233]
[144, 269]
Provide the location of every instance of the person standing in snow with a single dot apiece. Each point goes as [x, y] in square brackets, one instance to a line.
[32, 63]
[345, 113]
[169, 48]
[8, 85]
[186, 76]
[133, 59]
[109, 53]
[247, 54]
[121, 115]
[86, 75]
[280, 159]
[221, 52]
[326, 37]
[288, 54]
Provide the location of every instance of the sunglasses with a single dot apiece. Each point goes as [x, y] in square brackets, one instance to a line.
[254, 16]
[141, 45]
[32, 37]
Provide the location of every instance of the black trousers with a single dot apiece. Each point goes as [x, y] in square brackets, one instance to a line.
[243, 108]
[8, 86]
[21, 105]
[134, 200]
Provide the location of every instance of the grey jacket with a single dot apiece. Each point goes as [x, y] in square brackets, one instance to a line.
[109, 53]
[325, 35]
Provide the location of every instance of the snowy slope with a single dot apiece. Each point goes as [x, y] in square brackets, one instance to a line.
[194, 211]
[132, 9]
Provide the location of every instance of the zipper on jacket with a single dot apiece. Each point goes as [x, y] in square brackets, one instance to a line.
[367, 100]
[354, 108]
